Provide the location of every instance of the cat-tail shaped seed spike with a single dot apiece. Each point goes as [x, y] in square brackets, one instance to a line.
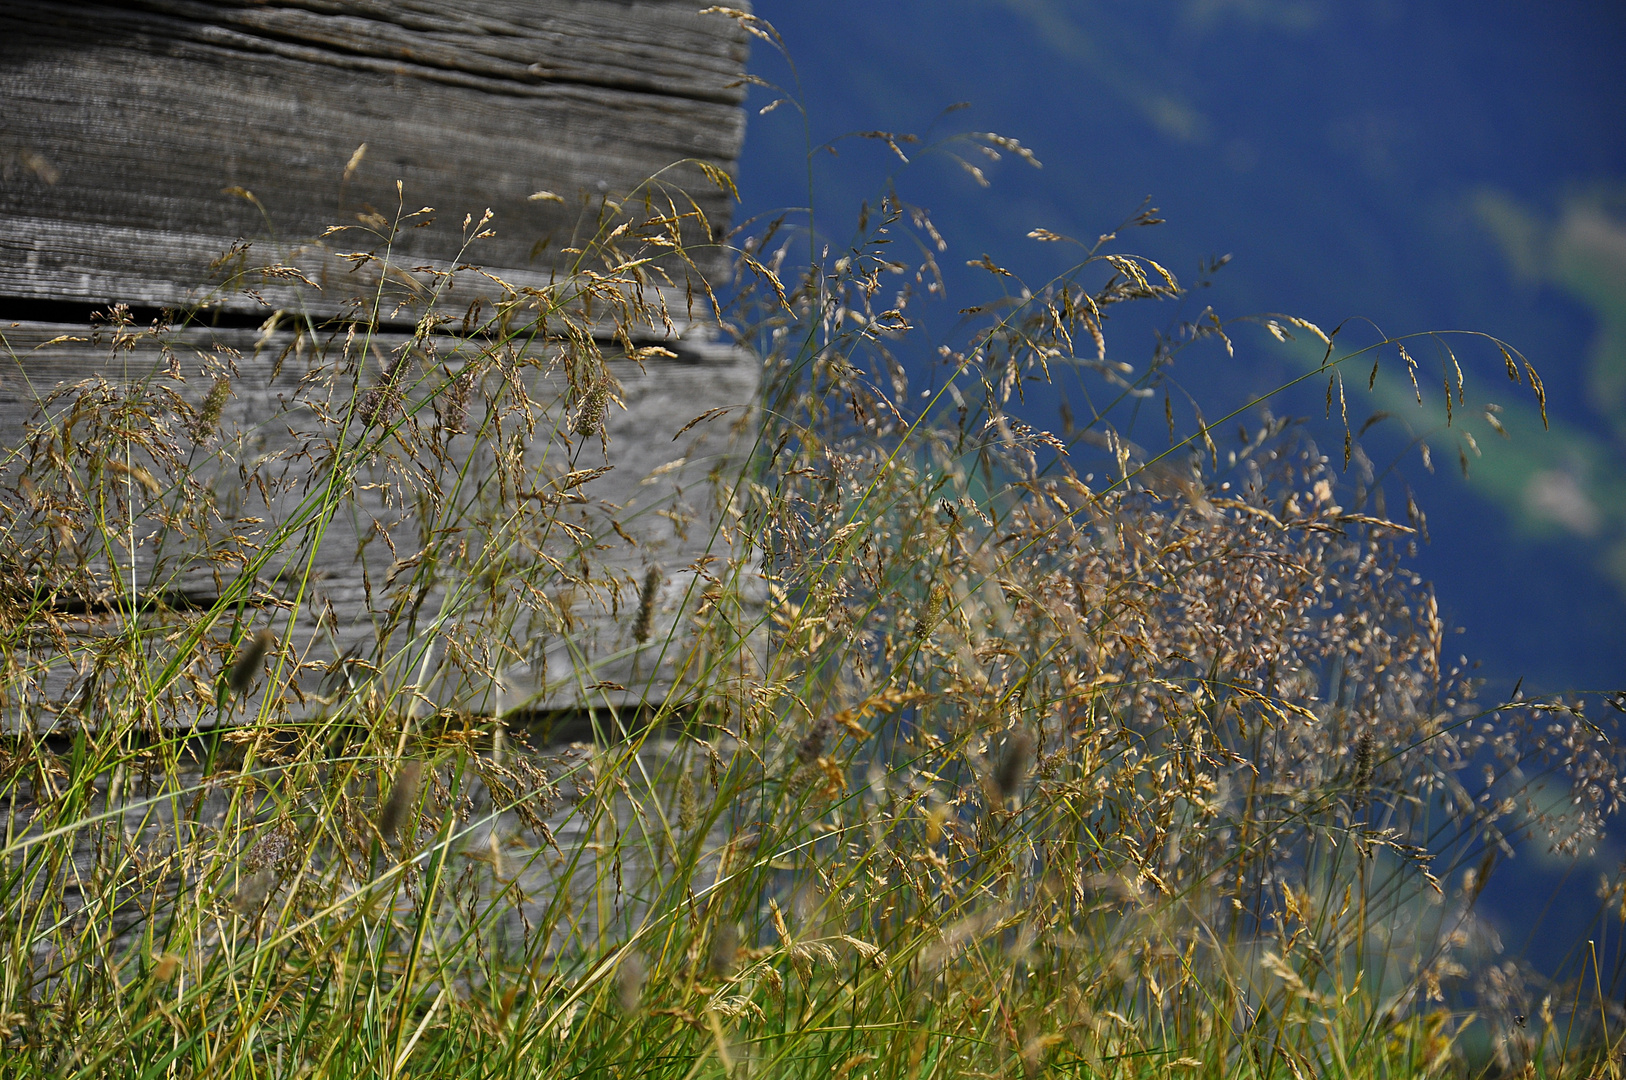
[207, 418]
[644, 625]
[403, 797]
[1012, 767]
[590, 416]
[928, 619]
[249, 661]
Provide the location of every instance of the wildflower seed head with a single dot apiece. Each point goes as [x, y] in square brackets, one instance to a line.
[250, 659]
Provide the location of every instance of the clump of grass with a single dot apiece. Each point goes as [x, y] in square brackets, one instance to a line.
[1065, 756]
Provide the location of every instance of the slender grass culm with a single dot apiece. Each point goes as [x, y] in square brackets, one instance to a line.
[961, 749]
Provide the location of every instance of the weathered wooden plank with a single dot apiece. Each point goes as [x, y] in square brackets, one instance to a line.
[664, 48]
[54, 260]
[573, 643]
[142, 142]
[126, 128]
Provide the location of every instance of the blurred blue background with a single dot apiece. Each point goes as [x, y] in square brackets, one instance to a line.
[1424, 166]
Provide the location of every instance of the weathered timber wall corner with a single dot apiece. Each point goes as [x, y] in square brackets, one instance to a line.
[126, 124]
[142, 141]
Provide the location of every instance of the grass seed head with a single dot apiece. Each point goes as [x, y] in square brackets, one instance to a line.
[207, 418]
[384, 398]
[254, 891]
[644, 624]
[590, 416]
[1011, 768]
[1363, 761]
[629, 982]
[688, 804]
[725, 948]
[811, 748]
[403, 797]
[928, 618]
[165, 967]
[249, 661]
[454, 405]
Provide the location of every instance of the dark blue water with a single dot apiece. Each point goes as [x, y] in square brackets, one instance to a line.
[1345, 155]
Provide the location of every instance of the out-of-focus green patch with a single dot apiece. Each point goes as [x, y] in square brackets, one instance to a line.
[1565, 481]
[1558, 482]
[1561, 481]
[1582, 253]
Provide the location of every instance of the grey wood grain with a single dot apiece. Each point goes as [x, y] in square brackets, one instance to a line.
[123, 873]
[127, 129]
[561, 636]
[190, 155]
[665, 48]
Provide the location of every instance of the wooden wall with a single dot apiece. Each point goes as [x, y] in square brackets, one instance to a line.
[141, 141]
[125, 125]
